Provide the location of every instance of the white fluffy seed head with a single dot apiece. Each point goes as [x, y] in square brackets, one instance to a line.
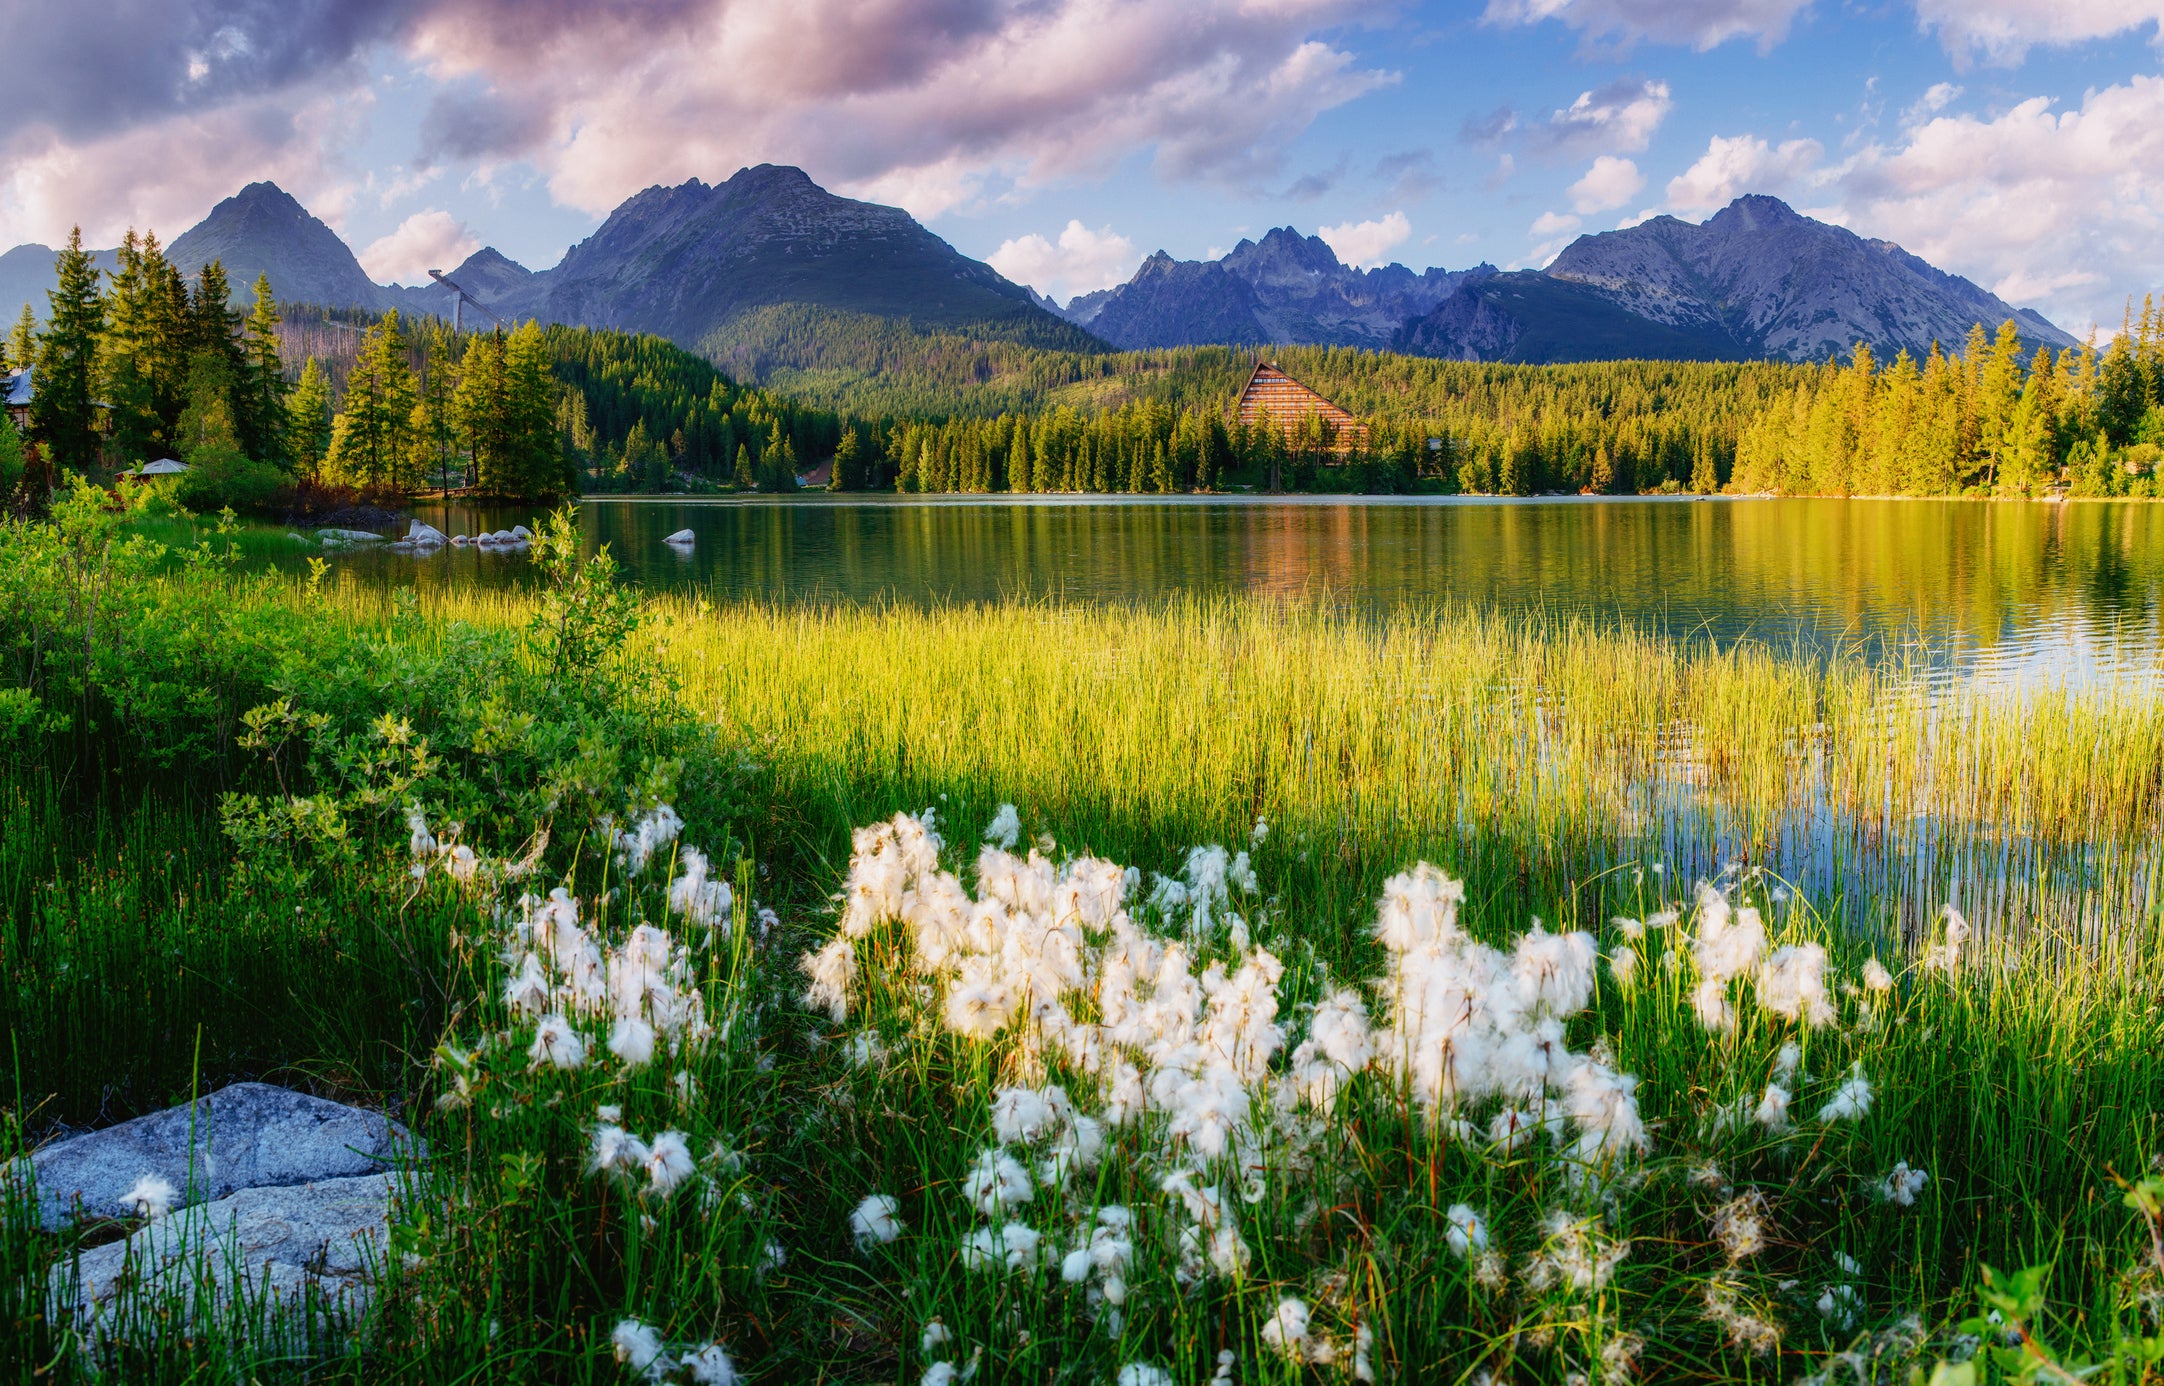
[876, 1221]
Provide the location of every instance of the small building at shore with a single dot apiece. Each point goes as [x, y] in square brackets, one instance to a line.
[15, 398]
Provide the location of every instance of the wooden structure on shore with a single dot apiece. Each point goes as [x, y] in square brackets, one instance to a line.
[1288, 404]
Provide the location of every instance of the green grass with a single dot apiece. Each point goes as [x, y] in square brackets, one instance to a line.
[160, 941]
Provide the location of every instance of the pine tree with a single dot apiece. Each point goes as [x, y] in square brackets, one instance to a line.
[742, 477]
[308, 419]
[372, 437]
[124, 385]
[207, 425]
[23, 342]
[260, 395]
[481, 410]
[534, 468]
[846, 474]
[63, 417]
[435, 423]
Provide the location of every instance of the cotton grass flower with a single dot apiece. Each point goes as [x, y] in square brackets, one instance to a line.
[1792, 984]
[831, 970]
[633, 1042]
[1005, 829]
[1902, 1184]
[639, 1346]
[1739, 1225]
[876, 1221]
[151, 1198]
[996, 1182]
[1144, 1374]
[1851, 1101]
[1465, 1230]
[1012, 1247]
[668, 1164]
[557, 1044]
[1772, 1110]
[710, 1366]
[1876, 977]
[936, 1337]
[1286, 1328]
[616, 1151]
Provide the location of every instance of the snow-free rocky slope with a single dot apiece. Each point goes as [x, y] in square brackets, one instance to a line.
[703, 264]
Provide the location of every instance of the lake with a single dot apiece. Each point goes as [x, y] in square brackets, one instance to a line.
[2000, 591]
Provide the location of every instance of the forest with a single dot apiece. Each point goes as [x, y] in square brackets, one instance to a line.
[286, 403]
[286, 398]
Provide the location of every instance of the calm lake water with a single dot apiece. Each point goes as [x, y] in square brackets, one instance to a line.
[2000, 591]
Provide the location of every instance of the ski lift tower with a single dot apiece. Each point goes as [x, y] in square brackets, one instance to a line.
[460, 298]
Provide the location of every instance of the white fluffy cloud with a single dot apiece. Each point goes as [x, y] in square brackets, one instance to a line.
[1619, 118]
[2003, 31]
[919, 100]
[1737, 164]
[1080, 262]
[934, 103]
[2063, 210]
[1366, 244]
[1701, 24]
[164, 174]
[1608, 184]
[424, 241]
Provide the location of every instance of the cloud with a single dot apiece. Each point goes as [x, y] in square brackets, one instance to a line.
[1557, 230]
[1081, 262]
[1490, 128]
[934, 98]
[1411, 175]
[2060, 209]
[938, 102]
[165, 174]
[1366, 244]
[81, 71]
[1701, 24]
[424, 241]
[2002, 31]
[1608, 184]
[1619, 118]
[1937, 97]
[1737, 164]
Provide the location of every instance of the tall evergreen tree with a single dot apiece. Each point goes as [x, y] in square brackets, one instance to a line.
[260, 396]
[535, 470]
[23, 341]
[308, 419]
[435, 415]
[63, 415]
[372, 437]
[124, 383]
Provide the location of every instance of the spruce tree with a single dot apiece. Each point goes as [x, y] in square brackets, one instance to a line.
[483, 413]
[372, 437]
[308, 419]
[845, 474]
[63, 416]
[534, 468]
[124, 383]
[260, 395]
[23, 341]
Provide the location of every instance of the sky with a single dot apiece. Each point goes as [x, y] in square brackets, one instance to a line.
[2017, 142]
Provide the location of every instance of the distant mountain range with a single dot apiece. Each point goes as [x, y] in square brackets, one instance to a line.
[1756, 280]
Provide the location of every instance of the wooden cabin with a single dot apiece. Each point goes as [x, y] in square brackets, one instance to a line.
[15, 391]
[1288, 404]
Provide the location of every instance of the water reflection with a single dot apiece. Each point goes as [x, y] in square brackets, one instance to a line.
[2018, 593]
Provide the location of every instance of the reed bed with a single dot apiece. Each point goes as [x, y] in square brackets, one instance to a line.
[1580, 781]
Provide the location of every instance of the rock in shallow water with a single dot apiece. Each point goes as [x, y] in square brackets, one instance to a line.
[682, 536]
[245, 1136]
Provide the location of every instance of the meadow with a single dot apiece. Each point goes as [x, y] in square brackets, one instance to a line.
[1033, 991]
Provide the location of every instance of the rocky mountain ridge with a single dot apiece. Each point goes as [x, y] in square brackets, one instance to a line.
[1757, 279]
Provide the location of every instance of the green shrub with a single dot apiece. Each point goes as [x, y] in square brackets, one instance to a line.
[224, 477]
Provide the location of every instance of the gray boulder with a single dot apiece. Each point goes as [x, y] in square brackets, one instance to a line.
[418, 533]
[335, 537]
[245, 1136]
[682, 536]
[520, 532]
[317, 1245]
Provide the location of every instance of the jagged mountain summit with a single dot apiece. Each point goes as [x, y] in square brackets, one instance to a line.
[262, 230]
[1777, 283]
[1758, 279]
[1284, 288]
[702, 264]
[683, 262]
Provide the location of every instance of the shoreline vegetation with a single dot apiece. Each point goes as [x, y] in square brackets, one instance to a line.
[1217, 991]
[302, 411]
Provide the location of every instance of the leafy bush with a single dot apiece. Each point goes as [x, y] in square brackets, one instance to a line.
[223, 477]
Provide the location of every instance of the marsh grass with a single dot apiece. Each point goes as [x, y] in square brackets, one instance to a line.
[1566, 772]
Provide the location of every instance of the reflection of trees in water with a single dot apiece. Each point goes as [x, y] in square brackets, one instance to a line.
[1869, 576]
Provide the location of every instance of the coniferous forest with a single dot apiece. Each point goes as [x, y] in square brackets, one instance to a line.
[142, 363]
